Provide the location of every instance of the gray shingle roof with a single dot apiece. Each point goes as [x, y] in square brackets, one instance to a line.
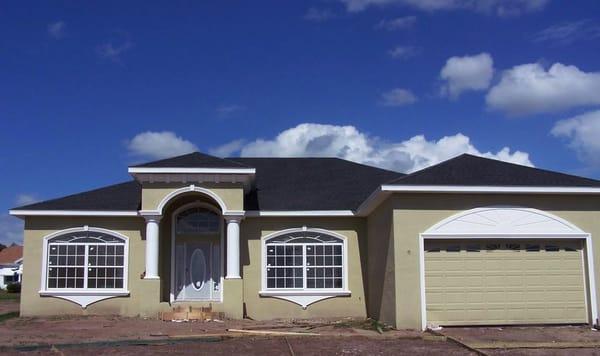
[469, 170]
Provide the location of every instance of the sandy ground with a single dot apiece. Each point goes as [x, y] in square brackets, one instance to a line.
[580, 334]
[298, 346]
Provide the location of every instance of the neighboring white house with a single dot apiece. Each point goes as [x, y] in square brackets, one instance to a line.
[11, 265]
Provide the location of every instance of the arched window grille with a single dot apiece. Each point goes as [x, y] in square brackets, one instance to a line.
[305, 260]
[86, 260]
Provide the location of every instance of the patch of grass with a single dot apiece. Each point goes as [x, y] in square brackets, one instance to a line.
[9, 296]
[6, 316]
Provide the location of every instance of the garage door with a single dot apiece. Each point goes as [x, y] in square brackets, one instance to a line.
[496, 282]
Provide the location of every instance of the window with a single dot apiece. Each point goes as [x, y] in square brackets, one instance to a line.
[306, 260]
[86, 260]
[197, 221]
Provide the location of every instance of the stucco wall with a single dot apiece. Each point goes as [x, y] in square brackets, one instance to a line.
[381, 295]
[231, 194]
[261, 308]
[415, 213]
[144, 294]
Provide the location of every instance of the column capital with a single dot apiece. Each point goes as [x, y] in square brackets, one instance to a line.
[150, 215]
[234, 217]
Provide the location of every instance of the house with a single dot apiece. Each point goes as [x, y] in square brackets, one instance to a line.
[11, 265]
[469, 241]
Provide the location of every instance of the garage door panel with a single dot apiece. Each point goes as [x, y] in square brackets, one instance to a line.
[519, 282]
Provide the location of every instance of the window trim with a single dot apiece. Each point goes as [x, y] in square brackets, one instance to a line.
[84, 296]
[306, 296]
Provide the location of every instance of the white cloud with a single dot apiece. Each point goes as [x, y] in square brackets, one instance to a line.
[228, 149]
[568, 32]
[26, 199]
[399, 23]
[398, 97]
[157, 145]
[56, 30]
[317, 140]
[530, 89]
[318, 15]
[583, 133]
[403, 52]
[466, 73]
[499, 7]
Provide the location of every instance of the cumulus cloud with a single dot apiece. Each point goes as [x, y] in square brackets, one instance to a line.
[568, 32]
[403, 52]
[399, 23]
[228, 149]
[56, 30]
[114, 49]
[226, 110]
[398, 97]
[531, 89]
[318, 15]
[461, 74]
[347, 142]
[157, 145]
[498, 7]
[583, 133]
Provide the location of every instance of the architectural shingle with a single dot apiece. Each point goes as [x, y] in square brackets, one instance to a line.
[469, 170]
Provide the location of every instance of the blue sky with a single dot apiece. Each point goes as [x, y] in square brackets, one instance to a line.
[89, 88]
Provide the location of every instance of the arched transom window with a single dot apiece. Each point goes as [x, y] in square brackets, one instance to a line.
[305, 260]
[197, 220]
[86, 260]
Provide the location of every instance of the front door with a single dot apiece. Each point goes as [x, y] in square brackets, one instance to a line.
[197, 271]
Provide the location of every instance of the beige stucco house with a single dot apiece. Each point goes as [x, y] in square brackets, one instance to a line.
[470, 241]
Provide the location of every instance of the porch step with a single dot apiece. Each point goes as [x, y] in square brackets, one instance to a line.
[190, 313]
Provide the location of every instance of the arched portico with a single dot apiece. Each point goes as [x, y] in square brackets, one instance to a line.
[207, 198]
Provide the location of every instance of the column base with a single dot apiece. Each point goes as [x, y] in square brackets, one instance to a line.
[233, 298]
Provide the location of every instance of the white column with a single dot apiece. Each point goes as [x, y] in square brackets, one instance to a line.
[152, 247]
[233, 247]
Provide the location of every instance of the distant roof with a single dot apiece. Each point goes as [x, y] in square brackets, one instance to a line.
[193, 160]
[311, 183]
[11, 254]
[469, 170]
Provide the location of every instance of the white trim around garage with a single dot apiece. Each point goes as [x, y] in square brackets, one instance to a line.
[488, 189]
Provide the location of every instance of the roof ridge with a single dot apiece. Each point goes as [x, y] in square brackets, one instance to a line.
[333, 157]
[191, 154]
[423, 170]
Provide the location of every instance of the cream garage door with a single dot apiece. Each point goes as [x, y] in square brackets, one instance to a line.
[502, 282]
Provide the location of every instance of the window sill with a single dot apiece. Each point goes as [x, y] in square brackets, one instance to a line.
[84, 297]
[304, 298]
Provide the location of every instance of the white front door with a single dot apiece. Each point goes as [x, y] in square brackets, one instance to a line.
[197, 272]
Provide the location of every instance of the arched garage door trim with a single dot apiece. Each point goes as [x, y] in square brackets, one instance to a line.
[506, 222]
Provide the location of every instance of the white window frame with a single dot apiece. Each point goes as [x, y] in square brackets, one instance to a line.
[84, 296]
[304, 296]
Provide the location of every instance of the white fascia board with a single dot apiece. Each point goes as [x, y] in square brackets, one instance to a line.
[488, 189]
[71, 213]
[135, 170]
[255, 213]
